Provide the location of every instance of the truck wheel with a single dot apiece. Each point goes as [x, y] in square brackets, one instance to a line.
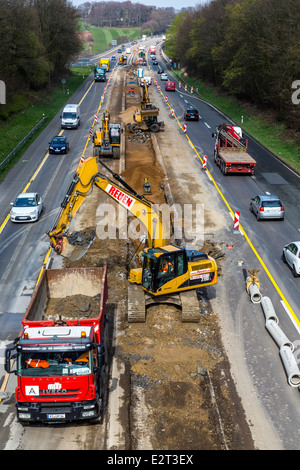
[223, 168]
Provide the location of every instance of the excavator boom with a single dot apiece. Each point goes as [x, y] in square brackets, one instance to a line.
[82, 185]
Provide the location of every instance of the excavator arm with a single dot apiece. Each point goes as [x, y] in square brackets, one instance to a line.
[85, 178]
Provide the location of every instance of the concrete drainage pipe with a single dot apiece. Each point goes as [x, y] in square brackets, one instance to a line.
[254, 293]
[278, 335]
[268, 309]
[290, 365]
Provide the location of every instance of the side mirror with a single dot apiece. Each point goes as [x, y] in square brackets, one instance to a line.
[10, 354]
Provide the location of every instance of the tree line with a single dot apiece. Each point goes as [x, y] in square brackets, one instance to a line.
[127, 14]
[38, 39]
[250, 48]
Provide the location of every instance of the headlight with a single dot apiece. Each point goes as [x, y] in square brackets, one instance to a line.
[24, 415]
[88, 414]
[62, 148]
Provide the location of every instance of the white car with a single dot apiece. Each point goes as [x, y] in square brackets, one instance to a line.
[26, 208]
[291, 256]
[164, 76]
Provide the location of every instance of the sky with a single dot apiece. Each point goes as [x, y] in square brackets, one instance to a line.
[177, 4]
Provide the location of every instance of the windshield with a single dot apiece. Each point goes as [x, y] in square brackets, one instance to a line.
[25, 202]
[58, 140]
[52, 364]
[69, 115]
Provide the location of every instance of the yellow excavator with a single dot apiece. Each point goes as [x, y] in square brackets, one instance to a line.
[107, 141]
[166, 269]
[145, 118]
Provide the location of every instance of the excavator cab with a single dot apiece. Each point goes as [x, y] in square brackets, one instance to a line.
[169, 269]
[115, 134]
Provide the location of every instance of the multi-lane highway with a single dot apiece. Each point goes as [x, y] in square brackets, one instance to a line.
[23, 247]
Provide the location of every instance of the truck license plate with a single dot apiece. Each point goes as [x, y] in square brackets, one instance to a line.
[56, 416]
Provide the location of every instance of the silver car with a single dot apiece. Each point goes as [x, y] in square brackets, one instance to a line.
[26, 208]
[291, 256]
[267, 207]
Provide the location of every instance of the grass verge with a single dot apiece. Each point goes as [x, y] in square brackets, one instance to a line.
[262, 125]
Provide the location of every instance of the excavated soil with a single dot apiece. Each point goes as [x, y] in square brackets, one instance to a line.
[182, 395]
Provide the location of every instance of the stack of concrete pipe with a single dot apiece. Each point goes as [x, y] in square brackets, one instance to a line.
[286, 347]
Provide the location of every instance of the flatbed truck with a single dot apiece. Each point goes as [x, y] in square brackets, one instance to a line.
[230, 152]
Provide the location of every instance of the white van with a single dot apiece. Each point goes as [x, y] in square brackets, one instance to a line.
[70, 118]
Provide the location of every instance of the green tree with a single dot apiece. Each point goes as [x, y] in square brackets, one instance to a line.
[59, 29]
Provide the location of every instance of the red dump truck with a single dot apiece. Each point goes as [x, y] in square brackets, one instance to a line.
[61, 356]
[230, 152]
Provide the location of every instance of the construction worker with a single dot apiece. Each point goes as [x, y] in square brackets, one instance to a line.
[167, 266]
[37, 363]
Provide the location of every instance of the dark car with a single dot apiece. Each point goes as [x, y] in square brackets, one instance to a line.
[155, 62]
[59, 144]
[161, 71]
[191, 114]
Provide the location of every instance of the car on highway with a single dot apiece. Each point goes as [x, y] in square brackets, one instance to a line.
[160, 71]
[267, 206]
[120, 51]
[59, 144]
[155, 62]
[26, 208]
[291, 256]
[191, 114]
[113, 58]
[164, 76]
[170, 86]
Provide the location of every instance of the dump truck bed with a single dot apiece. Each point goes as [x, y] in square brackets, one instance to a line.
[68, 286]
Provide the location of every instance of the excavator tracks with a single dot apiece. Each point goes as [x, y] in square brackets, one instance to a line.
[138, 301]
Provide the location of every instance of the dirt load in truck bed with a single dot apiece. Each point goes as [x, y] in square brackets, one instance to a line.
[73, 306]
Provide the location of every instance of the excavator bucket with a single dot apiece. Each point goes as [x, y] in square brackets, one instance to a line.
[76, 244]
